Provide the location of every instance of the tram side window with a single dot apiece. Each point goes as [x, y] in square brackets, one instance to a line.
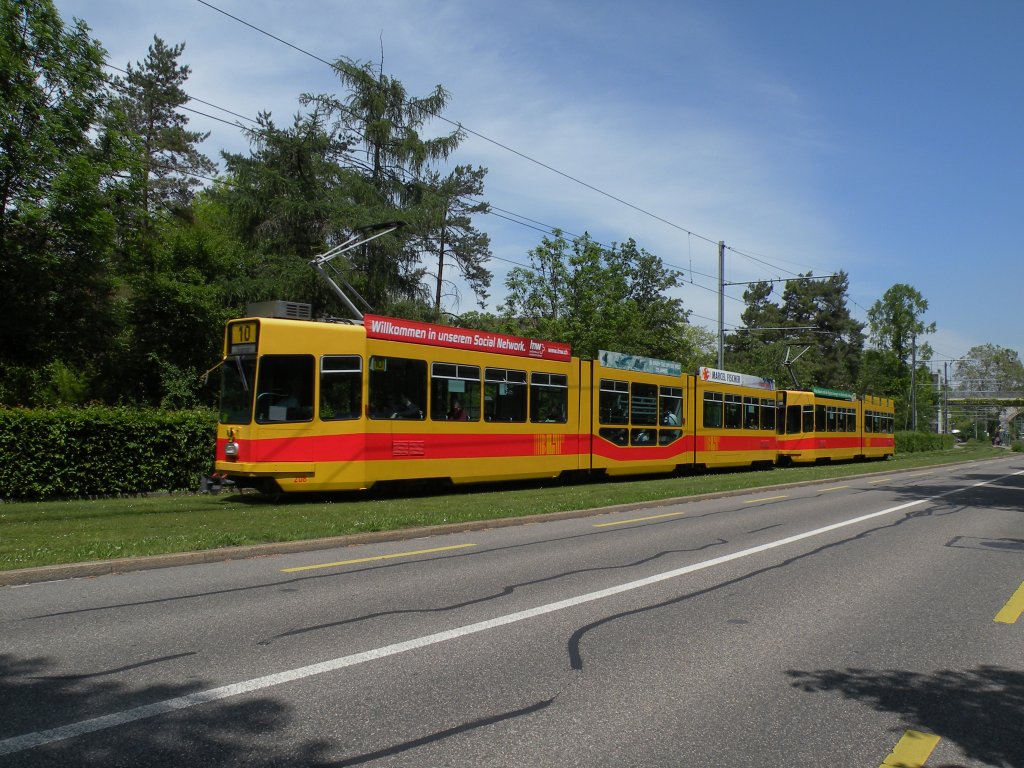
[670, 406]
[454, 392]
[284, 388]
[643, 412]
[768, 409]
[643, 404]
[237, 380]
[613, 402]
[613, 408]
[341, 387]
[869, 421]
[713, 410]
[398, 388]
[808, 418]
[617, 435]
[670, 414]
[733, 411]
[549, 397]
[751, 418]
[819, 418]
[793, 420]
[504, 395]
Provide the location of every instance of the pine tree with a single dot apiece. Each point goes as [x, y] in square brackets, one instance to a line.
[837, 340]
[813, 314]
[448, 233]
[384, 125]
[147, 131]
[289, 200]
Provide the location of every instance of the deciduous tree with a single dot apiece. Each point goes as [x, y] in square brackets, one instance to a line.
[446, 231]
[55, 226]
[599, 298]
[146, 128]
[896, 325]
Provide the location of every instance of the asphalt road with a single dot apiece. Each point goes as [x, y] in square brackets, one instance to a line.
[810, 626]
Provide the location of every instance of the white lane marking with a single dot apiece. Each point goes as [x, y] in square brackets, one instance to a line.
[81, 728]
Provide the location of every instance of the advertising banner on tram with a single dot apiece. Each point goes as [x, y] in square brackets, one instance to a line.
[739, 379]
[394, 329]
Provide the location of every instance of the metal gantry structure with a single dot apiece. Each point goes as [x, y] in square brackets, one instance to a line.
[974, 400]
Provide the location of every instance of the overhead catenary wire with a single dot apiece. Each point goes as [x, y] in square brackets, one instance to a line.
[461, 127]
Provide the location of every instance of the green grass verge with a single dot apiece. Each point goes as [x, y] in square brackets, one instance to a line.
[48, 533]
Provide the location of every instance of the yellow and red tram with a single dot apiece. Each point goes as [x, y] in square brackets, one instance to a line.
[308, 405]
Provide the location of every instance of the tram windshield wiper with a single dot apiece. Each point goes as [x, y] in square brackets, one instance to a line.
[241, 373]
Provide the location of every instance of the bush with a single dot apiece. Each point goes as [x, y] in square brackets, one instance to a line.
[1017, 446]
[100, 451]
[916, 442]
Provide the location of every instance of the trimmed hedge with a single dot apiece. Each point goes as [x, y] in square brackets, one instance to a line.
[916, 442]
[100, 451]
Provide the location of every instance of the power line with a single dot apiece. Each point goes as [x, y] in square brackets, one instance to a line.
[512, 217]
[460, 127]
[479, 135]
[519, 219]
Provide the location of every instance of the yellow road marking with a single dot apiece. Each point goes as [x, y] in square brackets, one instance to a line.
[377, 557]
[883, 480]
[911, 751]
[919, 474]
[639, 519]
[1013, 609]
[837, 488]
[768, 498]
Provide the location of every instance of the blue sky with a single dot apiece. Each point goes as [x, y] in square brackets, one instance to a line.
[880, 138]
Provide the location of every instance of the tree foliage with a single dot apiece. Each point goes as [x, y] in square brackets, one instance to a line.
[287, 201]
[146, 116]
[383, 125]
[896, 322]
[447, 231]
[53, 86]
[894, 362]
[990, 368]
[55, 227]
[598, 298]
[812, 324]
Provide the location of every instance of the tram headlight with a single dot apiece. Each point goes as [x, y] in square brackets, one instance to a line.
[231, 449]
